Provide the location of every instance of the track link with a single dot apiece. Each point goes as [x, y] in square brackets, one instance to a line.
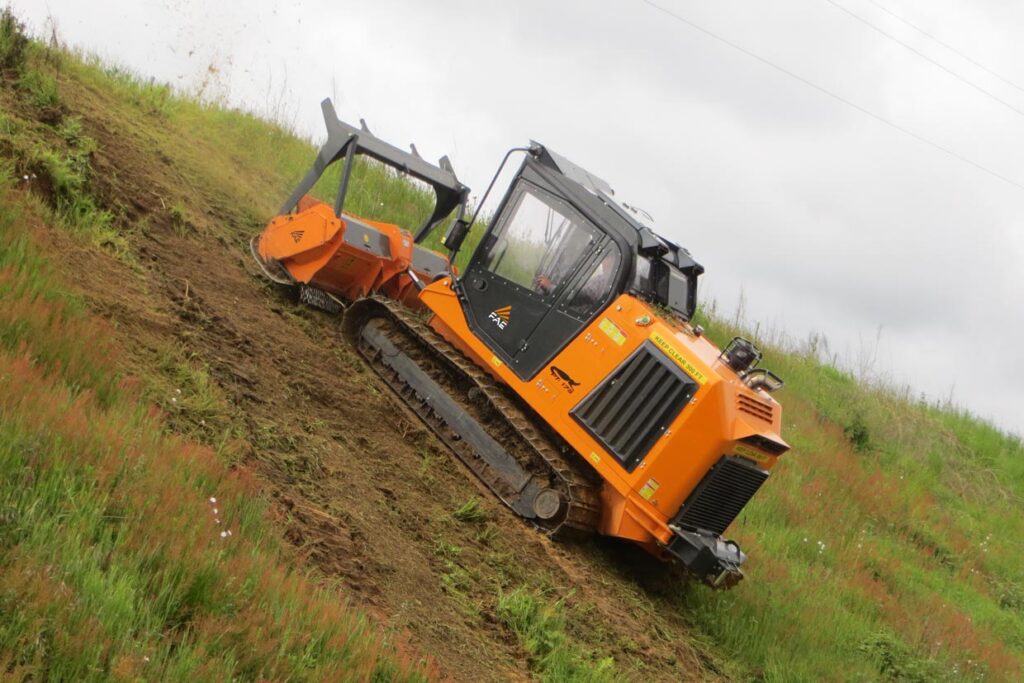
[484, 424]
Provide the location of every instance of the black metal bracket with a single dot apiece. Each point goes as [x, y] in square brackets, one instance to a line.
[346, 141]
[714, 560]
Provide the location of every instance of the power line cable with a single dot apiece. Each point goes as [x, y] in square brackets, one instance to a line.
[944, 44]
[840, 98]
[925, 57]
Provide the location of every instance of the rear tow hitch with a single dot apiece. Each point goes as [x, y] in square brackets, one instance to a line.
[714, 560]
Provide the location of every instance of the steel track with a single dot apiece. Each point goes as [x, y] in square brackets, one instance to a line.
[383, 331]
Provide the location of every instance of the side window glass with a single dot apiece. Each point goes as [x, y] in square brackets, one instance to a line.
[539, 246]
[597, 286]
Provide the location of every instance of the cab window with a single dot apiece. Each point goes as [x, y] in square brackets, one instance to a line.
[540, 244]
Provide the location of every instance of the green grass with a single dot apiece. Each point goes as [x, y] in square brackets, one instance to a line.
[14, 45]
[886, 545]
[115, 560]
[126, 552]
[540, 627]
[470, 512]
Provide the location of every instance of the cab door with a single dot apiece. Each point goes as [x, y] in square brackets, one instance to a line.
[530, 259]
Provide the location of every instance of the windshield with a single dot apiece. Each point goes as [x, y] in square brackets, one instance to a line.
[540, 245]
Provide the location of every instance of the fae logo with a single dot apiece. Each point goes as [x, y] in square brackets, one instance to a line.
[500, 316]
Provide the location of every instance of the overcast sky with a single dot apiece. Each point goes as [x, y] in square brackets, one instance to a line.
[826, 219]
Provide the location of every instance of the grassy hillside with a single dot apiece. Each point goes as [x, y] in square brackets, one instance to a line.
[889, 539]
[147, 368]
[125, 551]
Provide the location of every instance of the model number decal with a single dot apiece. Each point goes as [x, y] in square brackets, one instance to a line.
[567, 382]
[680, 360]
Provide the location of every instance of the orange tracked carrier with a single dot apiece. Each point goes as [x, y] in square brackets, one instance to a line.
[561, 367]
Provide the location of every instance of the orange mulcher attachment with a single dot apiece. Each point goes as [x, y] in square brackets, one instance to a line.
[336, 256]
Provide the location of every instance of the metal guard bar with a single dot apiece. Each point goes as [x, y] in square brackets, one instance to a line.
[449, 192]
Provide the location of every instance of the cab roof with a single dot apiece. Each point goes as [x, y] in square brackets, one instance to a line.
[593, 197]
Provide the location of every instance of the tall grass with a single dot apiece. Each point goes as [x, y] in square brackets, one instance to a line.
[125, 552]
[540, 627]
[885, 545]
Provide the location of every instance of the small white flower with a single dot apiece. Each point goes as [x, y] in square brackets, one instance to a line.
[223, 534]
[145, 658]
[229, 532]
[177, 391]
[213, 500]
[173, 400]
[216, 521]
[215, 510]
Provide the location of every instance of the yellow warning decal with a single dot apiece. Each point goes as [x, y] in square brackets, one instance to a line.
[748, 452]
[496, 362]
[649, 489]
[595, 457]
[613, 332]
[681, 361]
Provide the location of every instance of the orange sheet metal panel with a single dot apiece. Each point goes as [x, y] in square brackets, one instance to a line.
[305, 241]
[312, 247]
[640, 502]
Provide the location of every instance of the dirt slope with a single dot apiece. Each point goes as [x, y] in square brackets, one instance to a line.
[364, 492]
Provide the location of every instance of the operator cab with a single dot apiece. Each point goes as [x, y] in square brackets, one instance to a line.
[556, 253]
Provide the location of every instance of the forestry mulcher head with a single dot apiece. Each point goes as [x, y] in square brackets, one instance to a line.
[333, 254]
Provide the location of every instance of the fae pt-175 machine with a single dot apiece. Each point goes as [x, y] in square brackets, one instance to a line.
[561, 366]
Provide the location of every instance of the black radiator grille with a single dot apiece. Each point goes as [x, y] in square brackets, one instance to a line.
[720, 496]
[632, 408]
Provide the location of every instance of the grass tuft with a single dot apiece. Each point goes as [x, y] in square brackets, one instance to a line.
[540, 627]
[41, 88]
[14, 43]
[471, 512]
